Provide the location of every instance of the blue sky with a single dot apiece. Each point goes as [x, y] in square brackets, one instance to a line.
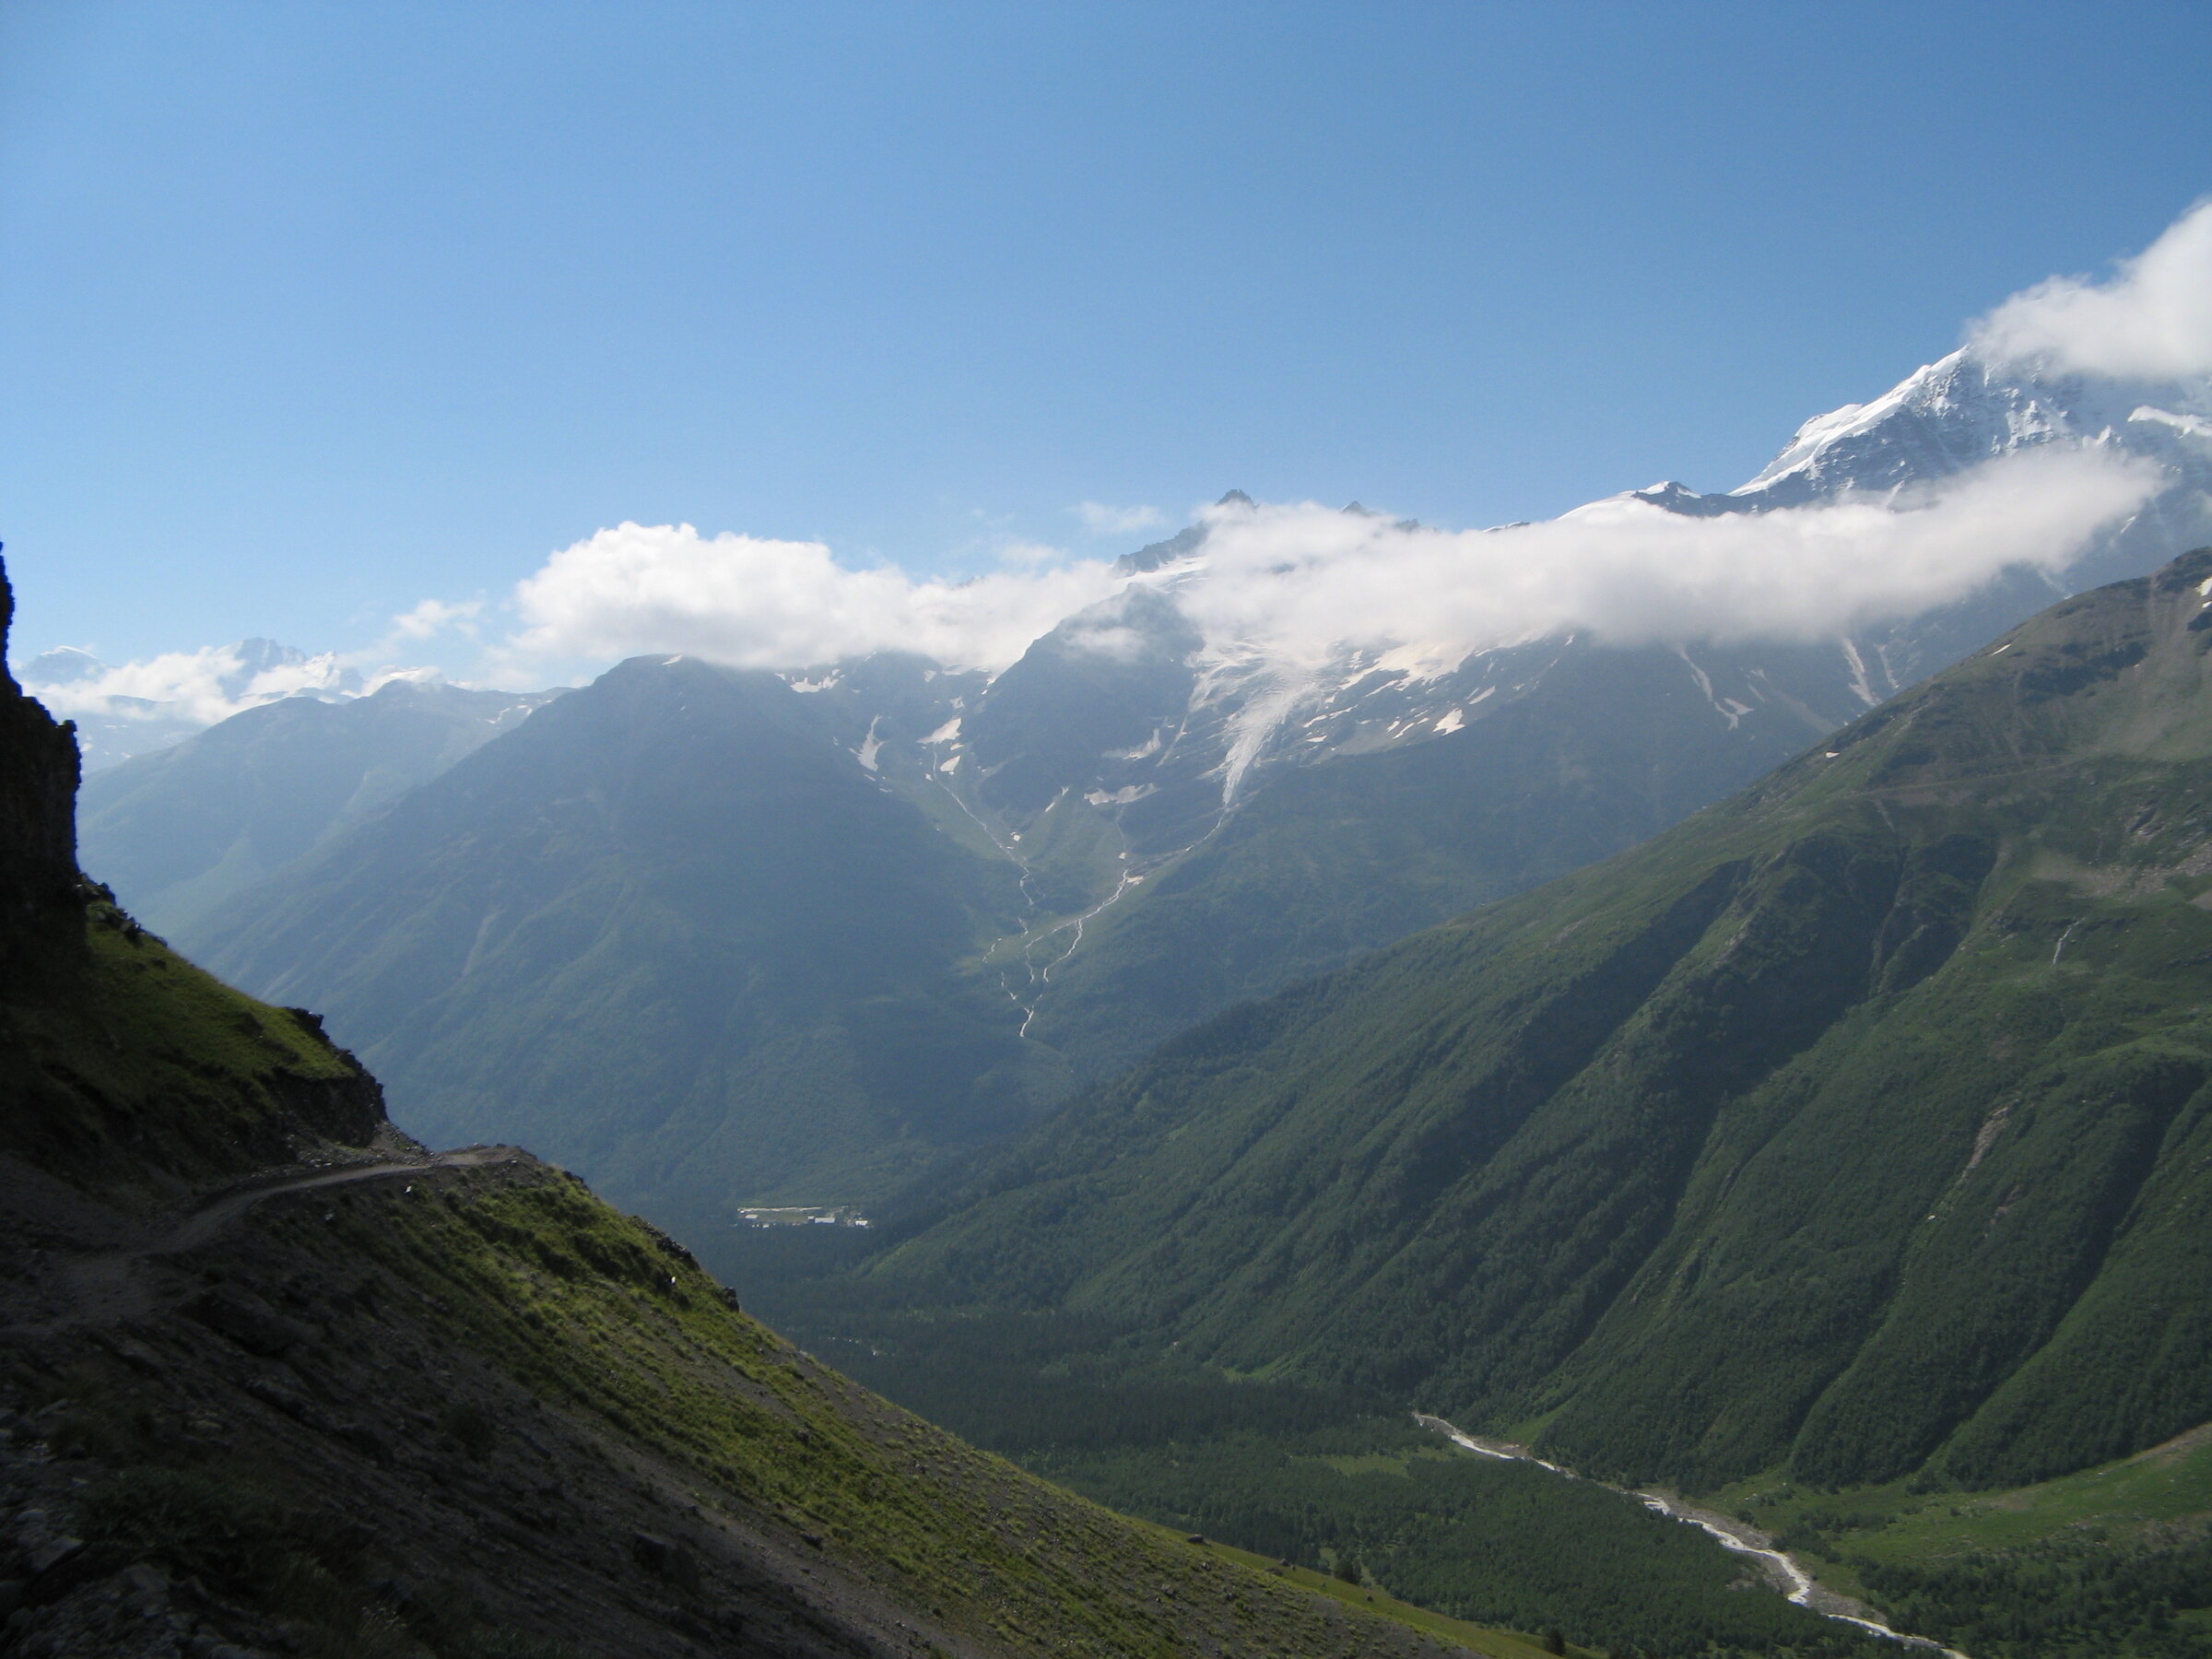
[310, 312]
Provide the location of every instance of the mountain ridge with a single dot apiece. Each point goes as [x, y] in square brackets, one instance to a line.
[739, 911]
[183, 829]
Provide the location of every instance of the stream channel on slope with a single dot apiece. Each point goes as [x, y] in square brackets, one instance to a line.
[1782, 1569]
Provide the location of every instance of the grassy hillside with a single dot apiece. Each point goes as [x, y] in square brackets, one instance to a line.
[464, 1408]
[125, 1064]
[596, 1315]
[1856, 1125]
[1311, 1478]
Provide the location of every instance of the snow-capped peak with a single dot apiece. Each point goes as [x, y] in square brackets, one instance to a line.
[1923, 386]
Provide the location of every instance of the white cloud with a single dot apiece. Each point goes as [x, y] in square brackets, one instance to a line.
[1102, 520]
[1301, 582]
[201, 686]
[2151, 320]
[434, 617]
[758, 602]
[1286, 587]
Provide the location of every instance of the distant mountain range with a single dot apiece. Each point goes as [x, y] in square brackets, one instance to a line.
[113, 724]
[1027, 881]
[683, 932]
[187, 826]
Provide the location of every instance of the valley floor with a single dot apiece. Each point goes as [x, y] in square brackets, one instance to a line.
[2111, 1562]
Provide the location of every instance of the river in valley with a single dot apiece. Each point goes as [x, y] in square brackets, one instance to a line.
[1779, 1568]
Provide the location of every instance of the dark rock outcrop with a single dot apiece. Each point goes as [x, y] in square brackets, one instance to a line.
[41, 906]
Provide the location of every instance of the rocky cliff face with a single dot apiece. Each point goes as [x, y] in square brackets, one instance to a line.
[122, 1066]
[39, 898]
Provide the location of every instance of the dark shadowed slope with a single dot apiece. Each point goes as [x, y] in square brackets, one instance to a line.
[275, 1379]
[1860, 1122]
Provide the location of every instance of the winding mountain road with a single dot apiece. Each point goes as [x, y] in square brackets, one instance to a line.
[218, 1212]
[108, 1286]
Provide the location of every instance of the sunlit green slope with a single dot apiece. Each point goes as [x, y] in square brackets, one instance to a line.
[1856, 1124]
[2114, 1559]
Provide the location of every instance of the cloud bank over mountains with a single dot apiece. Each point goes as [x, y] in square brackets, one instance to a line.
[197, 687]
[754, 602]
[2151, 320]
[137, 707]
[1302, 582]
[1307, 582]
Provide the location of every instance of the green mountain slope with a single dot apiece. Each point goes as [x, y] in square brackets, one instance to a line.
[1857, 1123]
[275, 1379]
[669, 932]
[178, 832]
[2116, 1559]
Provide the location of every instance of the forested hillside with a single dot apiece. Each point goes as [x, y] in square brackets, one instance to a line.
[1857, 1124]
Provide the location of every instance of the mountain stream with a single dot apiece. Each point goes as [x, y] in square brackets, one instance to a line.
[1779, 1568]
